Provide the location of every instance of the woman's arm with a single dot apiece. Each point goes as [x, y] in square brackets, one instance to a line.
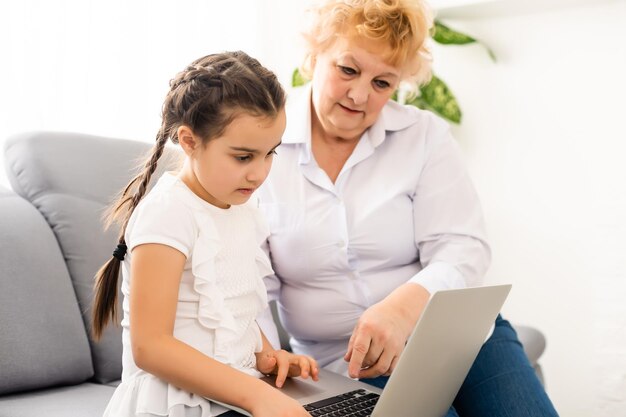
[449, 227]
[450, 235]
[156, 271]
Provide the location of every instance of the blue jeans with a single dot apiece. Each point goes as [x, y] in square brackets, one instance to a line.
[501, 382]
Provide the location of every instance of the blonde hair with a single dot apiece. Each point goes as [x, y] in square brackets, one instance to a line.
[405, 25]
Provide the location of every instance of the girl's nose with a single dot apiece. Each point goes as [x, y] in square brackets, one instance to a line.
[258, 173]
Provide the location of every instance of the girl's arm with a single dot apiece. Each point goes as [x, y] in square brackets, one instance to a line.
[156, 271]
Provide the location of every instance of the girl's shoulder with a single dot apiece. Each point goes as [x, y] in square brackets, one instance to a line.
[169, 195]
[167, 215]
[168, 204]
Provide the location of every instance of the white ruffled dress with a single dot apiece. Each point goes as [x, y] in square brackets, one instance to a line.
[221, 291]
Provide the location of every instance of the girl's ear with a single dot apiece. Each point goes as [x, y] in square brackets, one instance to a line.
[187, 140]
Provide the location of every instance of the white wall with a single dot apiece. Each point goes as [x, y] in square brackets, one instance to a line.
[102, 67]
[545, 138]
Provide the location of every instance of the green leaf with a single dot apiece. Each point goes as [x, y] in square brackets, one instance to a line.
[446, 36]
[437, 97]
[297, 79]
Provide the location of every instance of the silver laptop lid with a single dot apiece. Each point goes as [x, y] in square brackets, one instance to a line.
[440, 352]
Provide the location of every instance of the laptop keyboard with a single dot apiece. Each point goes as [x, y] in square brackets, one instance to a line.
[357, 403]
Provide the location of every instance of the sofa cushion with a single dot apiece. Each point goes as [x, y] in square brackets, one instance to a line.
[42, 338]
[84, 400]
[71, 179]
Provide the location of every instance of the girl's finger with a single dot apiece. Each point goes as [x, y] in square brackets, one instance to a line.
[305, 366]
[314, 369]
[268, 364]
[282, 363]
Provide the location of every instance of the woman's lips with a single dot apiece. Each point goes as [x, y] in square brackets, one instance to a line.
[349, 110]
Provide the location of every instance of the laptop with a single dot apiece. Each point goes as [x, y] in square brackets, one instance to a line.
[429, 373]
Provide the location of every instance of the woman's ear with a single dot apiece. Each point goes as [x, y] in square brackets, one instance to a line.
[312, 62]
[187, 140]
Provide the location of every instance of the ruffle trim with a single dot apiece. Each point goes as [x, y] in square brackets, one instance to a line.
[147, 394]
[212, 312]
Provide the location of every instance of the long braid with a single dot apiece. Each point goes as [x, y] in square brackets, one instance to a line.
[105, 300]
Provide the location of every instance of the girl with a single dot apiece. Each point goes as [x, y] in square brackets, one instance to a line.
[193, 274]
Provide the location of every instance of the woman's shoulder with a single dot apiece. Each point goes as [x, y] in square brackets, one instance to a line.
[410, 129]
[398, 117]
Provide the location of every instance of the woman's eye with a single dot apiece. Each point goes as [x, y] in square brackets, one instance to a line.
[243, 158]
[381, 84]
[347, 70]
[272, 153]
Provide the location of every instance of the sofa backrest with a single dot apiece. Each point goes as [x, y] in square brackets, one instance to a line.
[71, 179]
[42, 338]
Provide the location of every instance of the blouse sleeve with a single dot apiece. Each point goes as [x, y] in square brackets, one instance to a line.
[448, 220]
[165, 221]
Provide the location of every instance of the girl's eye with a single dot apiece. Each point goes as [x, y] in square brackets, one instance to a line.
[381, 84]
[243, 158]
[272, 153]
[347, 70]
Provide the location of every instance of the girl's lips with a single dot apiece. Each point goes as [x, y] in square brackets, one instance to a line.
[246, 190]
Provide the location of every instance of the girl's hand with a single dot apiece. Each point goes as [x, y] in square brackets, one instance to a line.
[273, 403]
[284, 364]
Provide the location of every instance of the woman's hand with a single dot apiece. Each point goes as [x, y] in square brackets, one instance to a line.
[382, 331]
[284, 364]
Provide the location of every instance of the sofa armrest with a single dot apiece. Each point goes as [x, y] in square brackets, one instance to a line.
[533, 341]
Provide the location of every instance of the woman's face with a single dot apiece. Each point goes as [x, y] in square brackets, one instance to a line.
[351, 84]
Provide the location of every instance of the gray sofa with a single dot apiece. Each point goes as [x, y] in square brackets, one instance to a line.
[51, 244]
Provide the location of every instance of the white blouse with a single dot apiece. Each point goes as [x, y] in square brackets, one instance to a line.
[403, 208]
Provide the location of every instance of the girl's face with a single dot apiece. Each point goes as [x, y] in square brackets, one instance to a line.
[351, 84]
[229, 168]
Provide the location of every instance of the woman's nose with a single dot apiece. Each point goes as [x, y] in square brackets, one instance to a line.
[358, 93]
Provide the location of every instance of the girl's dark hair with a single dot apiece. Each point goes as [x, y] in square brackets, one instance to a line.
[205, 97]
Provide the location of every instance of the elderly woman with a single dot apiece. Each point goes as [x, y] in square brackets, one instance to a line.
[371, 210]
